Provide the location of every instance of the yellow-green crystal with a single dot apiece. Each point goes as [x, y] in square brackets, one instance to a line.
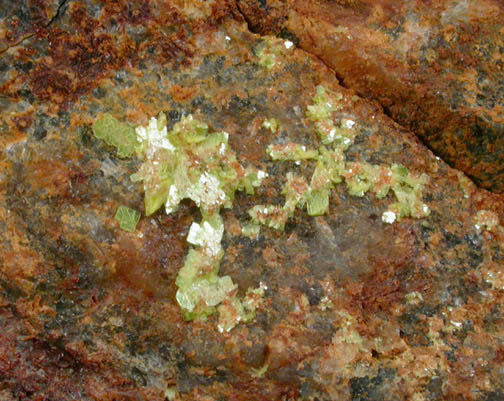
[127, 218]
[116, 134]
[331, 167]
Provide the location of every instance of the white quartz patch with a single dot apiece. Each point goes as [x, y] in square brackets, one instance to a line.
[261, 174]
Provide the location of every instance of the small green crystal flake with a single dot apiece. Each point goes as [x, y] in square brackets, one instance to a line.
[331, 168]
[127, 218]
[190, 162]
[271, 51]
[291, 151]
[251, 230]
[271, 124]
[114, 133]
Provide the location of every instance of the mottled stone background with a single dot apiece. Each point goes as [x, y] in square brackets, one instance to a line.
[436, 67]
[356, 309]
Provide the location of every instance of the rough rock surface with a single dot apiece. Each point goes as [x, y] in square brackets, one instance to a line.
[356, 309]
[20, 20]
[436, 67]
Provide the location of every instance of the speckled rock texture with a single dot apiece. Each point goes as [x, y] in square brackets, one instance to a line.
[356, 309]
[436, 67]
[20, 20]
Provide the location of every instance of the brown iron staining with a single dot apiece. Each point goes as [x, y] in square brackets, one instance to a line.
[74, 61]
[435, 69]
[22, 20]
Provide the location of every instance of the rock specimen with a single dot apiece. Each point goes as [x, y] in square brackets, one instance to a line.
[367, 294]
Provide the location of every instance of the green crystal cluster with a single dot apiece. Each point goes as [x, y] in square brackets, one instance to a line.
[190, 162]
[270, 51]
[331, 168]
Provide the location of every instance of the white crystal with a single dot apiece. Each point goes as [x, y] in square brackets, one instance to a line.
[206, 191]
[155, 138]
[206, 236]
[173, 199]
[349, 123]
[388, 217]
[332, 134]
[261, 174]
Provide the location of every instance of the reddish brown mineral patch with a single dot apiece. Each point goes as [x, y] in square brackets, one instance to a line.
[435, 68]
